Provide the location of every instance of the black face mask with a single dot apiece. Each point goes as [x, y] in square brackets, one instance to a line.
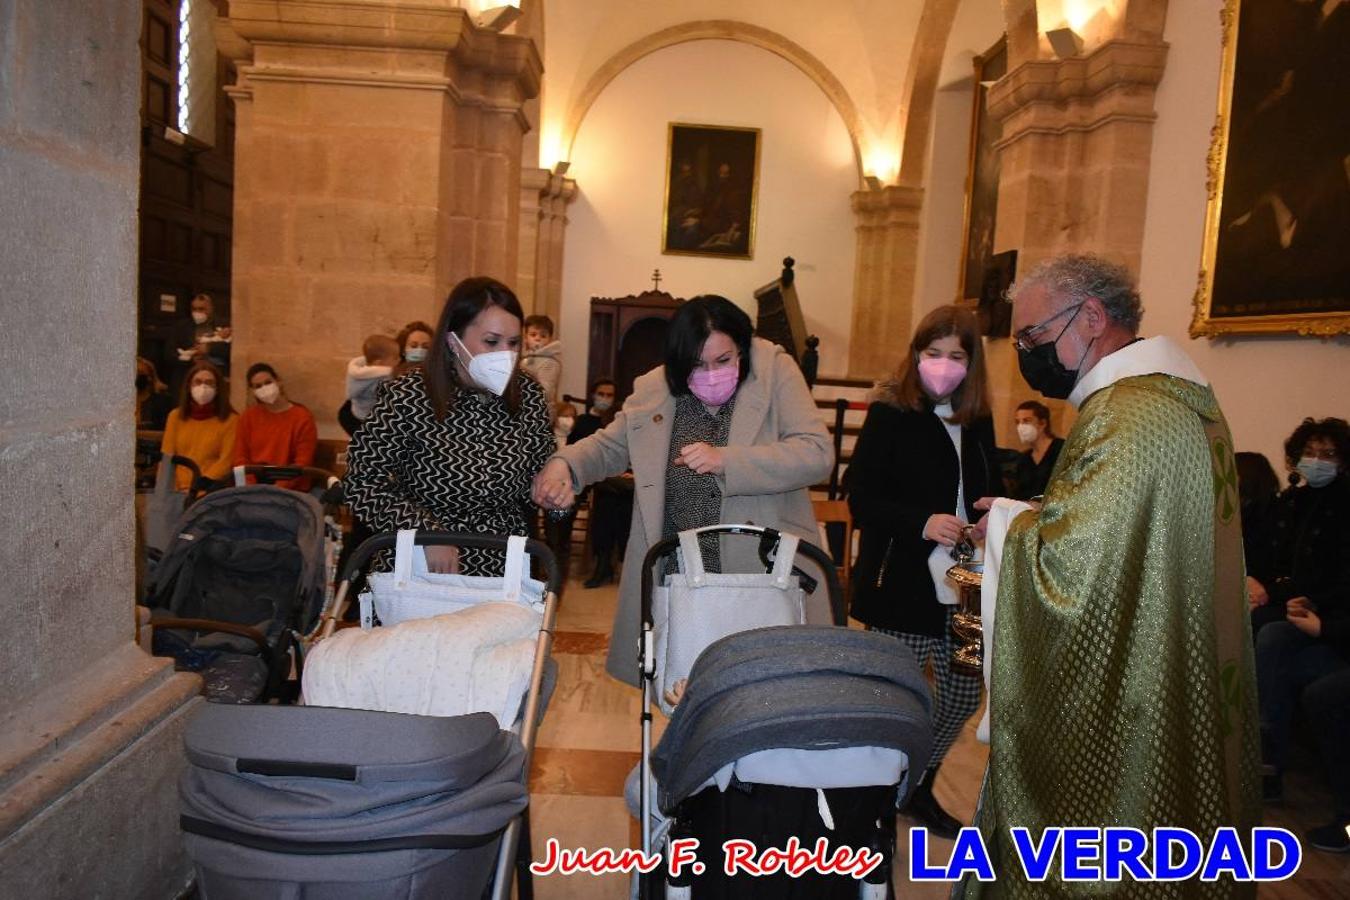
[1042, 369]
[142, 382]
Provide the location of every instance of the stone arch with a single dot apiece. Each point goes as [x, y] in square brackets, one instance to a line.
[921, 81]
[716, 29]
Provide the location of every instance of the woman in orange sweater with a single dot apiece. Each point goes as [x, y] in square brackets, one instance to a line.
[202, 427]
[274, 431]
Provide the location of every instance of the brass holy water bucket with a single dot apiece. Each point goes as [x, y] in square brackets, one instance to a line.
[966, 624]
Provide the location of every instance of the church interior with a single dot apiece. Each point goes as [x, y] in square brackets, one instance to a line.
[328, 170]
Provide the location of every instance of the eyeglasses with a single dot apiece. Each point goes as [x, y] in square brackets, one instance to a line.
[1326, 453]
[1023, 340]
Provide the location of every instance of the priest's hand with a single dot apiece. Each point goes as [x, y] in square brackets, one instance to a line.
[943, 528]
[984, 504]
[702, 458]
[1302, 616]
[981, 528]
[443, 559]
[1256, 593]
[552, 487]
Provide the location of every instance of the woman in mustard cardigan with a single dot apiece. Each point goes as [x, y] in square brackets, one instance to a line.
[202, 428]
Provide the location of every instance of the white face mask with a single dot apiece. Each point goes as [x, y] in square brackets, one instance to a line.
[200, 317]
[268, 393]
[203, 393]
[1027, 432]
[415, 354]
[490, 371]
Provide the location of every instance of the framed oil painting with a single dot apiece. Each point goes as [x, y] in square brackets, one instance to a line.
[712, 185]
[977, 245]
[1276, 255]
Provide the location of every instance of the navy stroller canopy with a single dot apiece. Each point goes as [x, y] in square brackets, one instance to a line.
[245, 555]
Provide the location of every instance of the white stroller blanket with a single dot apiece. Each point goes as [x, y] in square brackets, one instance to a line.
[478, 659]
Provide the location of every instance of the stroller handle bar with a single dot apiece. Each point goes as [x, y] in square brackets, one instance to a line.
[768, 538]
[327, 623]
[536, 549]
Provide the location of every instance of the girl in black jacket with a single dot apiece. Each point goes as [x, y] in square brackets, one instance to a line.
[924, 457]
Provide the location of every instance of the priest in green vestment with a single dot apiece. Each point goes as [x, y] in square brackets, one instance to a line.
[1118, 649]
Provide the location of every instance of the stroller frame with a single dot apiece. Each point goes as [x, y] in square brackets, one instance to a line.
[768, 539]
[518, 827]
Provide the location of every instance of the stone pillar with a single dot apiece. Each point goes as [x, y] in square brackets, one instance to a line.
[883, 280]
[377, 162]
[1074, 163]
[543, 225]
[90, 726]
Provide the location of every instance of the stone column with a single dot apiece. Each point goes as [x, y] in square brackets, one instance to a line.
[883, 281]
[543, 225]
[90, 725]
[1074, 158]
[377, 163]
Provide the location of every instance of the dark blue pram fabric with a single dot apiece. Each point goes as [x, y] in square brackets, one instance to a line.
[248, 556]
[244, 555]
[793, 687]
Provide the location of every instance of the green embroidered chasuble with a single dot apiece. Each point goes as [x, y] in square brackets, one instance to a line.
[1123, 691]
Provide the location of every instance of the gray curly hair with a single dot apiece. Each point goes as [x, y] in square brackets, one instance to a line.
[1078, 277]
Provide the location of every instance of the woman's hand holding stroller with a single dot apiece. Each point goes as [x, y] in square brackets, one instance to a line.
[443, 559]
[552, 488]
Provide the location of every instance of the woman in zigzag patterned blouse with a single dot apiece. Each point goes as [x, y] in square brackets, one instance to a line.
[453, 446]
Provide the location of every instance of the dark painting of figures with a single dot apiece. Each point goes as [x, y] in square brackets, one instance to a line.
[1282, 236]
[711, 181]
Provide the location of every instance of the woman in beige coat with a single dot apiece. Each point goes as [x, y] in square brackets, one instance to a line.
[725, 432]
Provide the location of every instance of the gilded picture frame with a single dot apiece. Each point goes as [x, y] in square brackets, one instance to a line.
[711, 191]
[1276, 252]
[982, 177]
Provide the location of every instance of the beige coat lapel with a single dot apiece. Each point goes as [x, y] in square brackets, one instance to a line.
[649, 426]
[752, 397]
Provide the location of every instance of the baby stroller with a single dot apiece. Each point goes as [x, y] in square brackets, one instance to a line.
[242, 578]
[334, 804]
[784, 736]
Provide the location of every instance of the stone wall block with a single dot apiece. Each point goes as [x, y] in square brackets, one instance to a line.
[283, 163]
[393, 169]
[462, 198]
[371, 108]
[262, 233]
[68, 552]
[494, 179]
[76, 77]
[491, 252]
[69, 314]
[370, 238]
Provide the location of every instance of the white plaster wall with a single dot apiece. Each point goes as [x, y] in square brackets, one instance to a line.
[866, 44]
[1265, 384]
[978, 24]
[806, 177]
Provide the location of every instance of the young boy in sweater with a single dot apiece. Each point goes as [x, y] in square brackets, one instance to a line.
[543, 355]
[365, 373]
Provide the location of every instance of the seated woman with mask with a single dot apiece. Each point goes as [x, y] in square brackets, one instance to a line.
[275, 431]
[203, 426]
[1307, 547]
[1038, 461]
[451, 444]
[726, 431]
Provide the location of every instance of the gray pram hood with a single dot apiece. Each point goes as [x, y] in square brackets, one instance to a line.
[798, 687]
[250, 533]
[391, 776]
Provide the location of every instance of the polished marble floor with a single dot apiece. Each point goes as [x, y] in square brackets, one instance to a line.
[589, 742]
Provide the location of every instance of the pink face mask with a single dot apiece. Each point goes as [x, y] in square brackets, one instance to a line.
[714, 386]
[941, 375]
